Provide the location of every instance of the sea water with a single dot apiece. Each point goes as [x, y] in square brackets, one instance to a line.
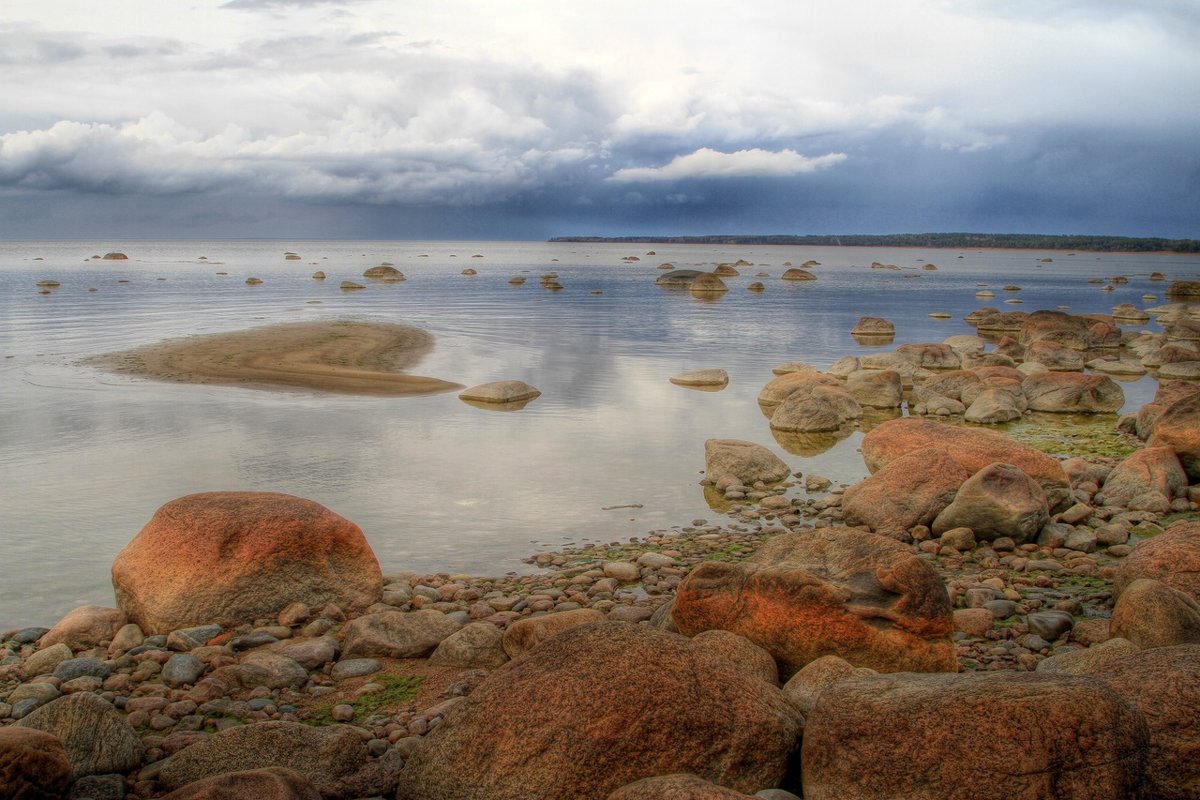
[611, 449]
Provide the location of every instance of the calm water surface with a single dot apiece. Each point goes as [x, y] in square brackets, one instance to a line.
[437, 485]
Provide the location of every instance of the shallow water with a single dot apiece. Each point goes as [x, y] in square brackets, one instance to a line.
[437, 485]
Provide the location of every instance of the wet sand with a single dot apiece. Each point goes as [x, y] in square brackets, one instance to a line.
[336, 356]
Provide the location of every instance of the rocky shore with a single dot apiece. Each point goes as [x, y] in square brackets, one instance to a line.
[976, 618]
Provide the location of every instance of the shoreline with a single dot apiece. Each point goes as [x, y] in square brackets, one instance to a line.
[341, 356]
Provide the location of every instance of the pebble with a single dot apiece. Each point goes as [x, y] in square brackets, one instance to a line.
[185, 639]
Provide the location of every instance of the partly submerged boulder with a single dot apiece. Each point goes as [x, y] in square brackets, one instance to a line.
[500, 392]
[746, 461]
[831, 591]
[1073, 393]
[233, 557]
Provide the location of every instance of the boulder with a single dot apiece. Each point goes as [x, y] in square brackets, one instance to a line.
[998, 500]
[974, 735]
[974, 448]
[930, 355]
[1178, 427]
[992, 406]
[1067, 329]
[1152, 614]
[84, 627]
[97, 739]
[780, 388]
[746, 461]
[323, 756]
[1054, 356]
[397, 634]
[805, 687]
[1089, 659]
[873, 326]
[1183, 290]
[702, 377]
[527, 633]
[912, 490]
[797, 274]
[232, 557]
[681, 786]
[500, 392]
[474, 646]
[598, 707]
[830, 591]
[33, 765]
[1164, 685]
[707, 283]
[876, 388]
[1073, 393]
[948, 384]
[1151, 469]
[1167, 395]
[678, 277]
[910, 372]
[823, 408]
[750, 658]
[1172, 558]
[268, 783]
[384, 272]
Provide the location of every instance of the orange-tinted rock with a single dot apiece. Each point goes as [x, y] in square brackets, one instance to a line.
[976, 735]
[525, 634]
[971, 447]
[1073, 393]
[598, 707]
[680, 786]
[1178, 427]
[750, 658]
[86, 626]
[233, 557]
[1164, 685]
[269, 783]
[1151, 469]
[779, 389]
[1054, 356]
[830, 591]
[998, 500]
[33, 765]
[1172, 558]
[1065, 329]
[1167, 394]
[949, 384]
[1151, 614]
[930, 355]
[912, 490]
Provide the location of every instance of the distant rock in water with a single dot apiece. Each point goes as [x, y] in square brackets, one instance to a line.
[253, 281]
[796, 274]
[707, 283]
[873, 326]
[48, 284]
[287, 256]
[678, 277]
[115, 257]
[500, 392]
[702, 377]
[351, 286]
[384, 272]
[726, 270]
[318, 276]
[469, 271]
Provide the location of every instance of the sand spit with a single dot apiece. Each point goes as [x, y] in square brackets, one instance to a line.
[335, 356]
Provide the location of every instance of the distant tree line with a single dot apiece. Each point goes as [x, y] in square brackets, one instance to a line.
[1018, 241]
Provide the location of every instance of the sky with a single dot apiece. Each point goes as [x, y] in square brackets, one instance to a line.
[475, 119]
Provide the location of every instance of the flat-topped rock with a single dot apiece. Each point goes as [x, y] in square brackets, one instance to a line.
[500, 392]
[702, 377]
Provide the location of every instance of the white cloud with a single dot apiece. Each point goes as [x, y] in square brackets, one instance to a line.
[709, 163]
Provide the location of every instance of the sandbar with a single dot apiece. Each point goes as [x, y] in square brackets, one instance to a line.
[343, 356]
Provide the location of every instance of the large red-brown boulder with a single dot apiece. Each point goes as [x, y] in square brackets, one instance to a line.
[1151, 469]
[1163, 683]
[912, 490]
[1167, 394]
[233, 557]
[962, 737]
[998, 500]
[1066, 329]
[930, 355]
[1073, 393]
[269, 783]
[1152, 614]
[972, 447]
[1178, 427]
[601, 706]
[525, 634]
[84, 627]
[1172, 558]
[33, 765]
[829, 591]
[824, 408]
[779, 389]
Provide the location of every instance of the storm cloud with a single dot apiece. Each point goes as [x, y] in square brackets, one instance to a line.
[370, 118]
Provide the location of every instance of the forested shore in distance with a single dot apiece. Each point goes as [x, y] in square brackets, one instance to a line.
[1013, 241]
